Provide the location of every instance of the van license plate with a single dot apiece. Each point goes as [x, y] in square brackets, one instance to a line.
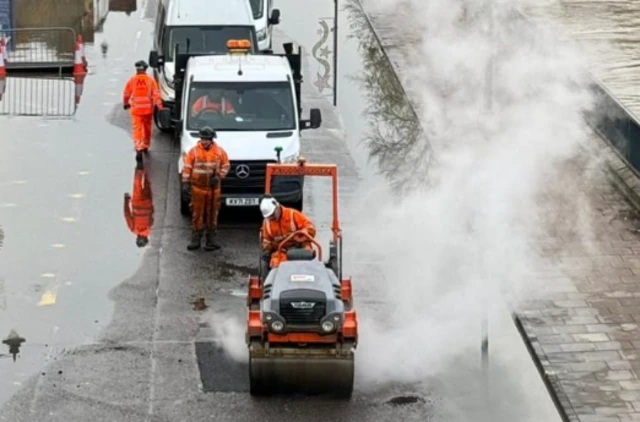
[242, 202]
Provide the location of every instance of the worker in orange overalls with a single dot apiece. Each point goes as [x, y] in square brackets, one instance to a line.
[279, 222]
[212, 101]
[205, 165]
[138, 211]
[140, 94]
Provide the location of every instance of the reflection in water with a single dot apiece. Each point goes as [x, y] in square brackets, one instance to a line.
[609, 31]
[126, 6]
[138, 208]
[395, 137]
[14, 341]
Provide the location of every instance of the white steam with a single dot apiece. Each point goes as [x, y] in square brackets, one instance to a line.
[229, 334]
[453, 250]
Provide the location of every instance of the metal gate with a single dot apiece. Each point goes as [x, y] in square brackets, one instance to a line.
[45, 70]
[38, 96]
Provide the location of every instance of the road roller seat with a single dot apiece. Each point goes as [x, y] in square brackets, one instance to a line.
[300, 254]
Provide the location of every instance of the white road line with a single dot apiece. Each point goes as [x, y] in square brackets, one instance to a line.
[135, 45]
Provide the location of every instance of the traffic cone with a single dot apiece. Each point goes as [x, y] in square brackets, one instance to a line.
[3, 44]
[3, 71]
[80, 66]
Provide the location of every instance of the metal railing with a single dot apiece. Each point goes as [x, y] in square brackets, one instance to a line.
[48, 50]
[42, 96]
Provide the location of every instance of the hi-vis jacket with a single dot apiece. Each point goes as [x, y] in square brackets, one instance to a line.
[275, 231]
[142, 93]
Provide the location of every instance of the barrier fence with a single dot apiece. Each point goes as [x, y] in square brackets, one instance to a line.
[42, 71]
[48, 50]
[49, 97]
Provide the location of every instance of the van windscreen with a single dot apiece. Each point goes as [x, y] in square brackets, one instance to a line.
[241, 106]
[257, 8]
[210, 39]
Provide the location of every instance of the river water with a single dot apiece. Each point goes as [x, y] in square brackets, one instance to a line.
[608, 31]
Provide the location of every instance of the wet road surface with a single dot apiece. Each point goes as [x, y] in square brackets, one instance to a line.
[111, 332]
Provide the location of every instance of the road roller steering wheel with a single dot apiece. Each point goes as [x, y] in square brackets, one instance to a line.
[207, 111]
[305, 234]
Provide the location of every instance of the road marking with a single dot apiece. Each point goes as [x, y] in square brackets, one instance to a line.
[58, 245]
[77, 195]
[48, 298]
[9, 205]
[135, 45]
[83, 173]
[68, 219]
[48, 275]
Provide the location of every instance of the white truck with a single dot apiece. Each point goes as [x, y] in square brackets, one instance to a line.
[264, 91]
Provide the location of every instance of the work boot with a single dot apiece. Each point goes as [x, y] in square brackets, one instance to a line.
[139, 156]
[210, 243]
[196, 237]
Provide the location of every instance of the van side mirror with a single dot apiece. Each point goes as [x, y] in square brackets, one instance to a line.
[315, 120]
[154, 59]
[275, 17]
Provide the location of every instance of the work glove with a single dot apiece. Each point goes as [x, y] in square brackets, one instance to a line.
[127, 196]
[126, 106]
[215, 180]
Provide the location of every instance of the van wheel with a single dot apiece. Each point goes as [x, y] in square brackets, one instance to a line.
[157, 122]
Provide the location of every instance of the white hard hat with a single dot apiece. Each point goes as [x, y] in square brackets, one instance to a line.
[268, 207]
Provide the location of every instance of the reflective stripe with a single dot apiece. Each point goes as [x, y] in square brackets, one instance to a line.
[268, 223]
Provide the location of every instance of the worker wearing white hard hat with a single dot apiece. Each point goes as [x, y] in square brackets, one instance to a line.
[279, 222]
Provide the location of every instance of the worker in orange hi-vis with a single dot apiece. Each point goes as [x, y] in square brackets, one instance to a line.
[138, 210]
[205, 165]
[280, 222]
[140, 95]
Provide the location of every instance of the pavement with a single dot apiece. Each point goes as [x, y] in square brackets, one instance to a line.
[582, 316]
[112, 331]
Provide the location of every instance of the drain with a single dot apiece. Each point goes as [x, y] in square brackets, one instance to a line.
[405, 400]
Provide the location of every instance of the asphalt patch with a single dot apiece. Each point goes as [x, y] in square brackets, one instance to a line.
[219, 373]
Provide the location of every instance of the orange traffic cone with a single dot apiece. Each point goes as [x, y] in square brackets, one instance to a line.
[80, 66]
[3, 71]
[3, 44]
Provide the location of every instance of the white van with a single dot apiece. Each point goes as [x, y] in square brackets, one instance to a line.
[196, 26]
[263, 92]
[265, 17]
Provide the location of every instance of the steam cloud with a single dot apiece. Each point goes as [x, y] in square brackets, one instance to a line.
[462, 235]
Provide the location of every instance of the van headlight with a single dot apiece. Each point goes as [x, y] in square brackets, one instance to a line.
[291, 159]
[262, 34]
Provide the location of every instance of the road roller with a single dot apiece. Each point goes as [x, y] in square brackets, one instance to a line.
[302, 328]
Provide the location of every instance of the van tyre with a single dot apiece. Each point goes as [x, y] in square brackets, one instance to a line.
[157, 122]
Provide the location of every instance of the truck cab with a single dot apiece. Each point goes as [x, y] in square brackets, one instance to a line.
[253, 103]
[199, 27]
